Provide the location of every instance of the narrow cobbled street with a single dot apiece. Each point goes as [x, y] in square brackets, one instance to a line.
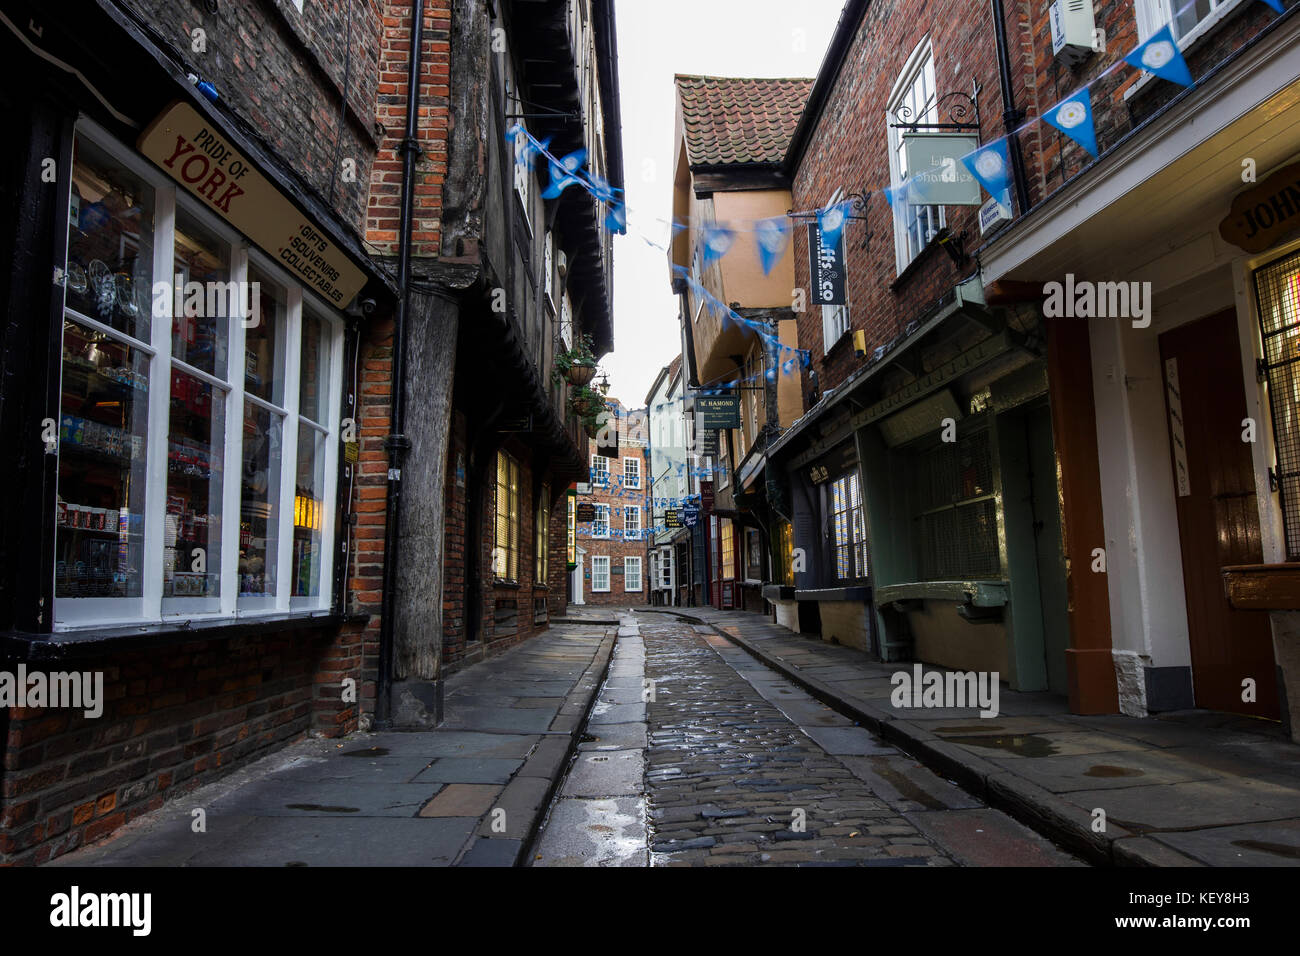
[697, 754]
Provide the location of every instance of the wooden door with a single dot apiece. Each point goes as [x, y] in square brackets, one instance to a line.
[1218, 512]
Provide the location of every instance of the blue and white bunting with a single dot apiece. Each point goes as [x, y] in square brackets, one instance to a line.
[991, 165]
[771, 236]
[717, 242]
[1160, 55]
[1276, 5]
[831, 221]
[564, 174]
[1073, 117]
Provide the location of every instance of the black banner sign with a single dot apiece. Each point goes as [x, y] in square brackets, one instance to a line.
[827, 267]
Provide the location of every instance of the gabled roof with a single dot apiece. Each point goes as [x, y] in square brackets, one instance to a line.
[731, 121]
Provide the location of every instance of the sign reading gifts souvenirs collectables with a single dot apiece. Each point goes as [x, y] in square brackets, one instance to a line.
[200, 158]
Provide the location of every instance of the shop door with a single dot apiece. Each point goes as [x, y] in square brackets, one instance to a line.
[1218, 512]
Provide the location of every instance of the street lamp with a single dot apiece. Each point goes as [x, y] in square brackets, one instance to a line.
[603, 384]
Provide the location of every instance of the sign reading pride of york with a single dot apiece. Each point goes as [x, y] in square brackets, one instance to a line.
[186, 146]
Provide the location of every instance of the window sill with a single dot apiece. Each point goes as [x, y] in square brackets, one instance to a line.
[98, 641]
[508, 585]
[913, 267]
[1187, 43]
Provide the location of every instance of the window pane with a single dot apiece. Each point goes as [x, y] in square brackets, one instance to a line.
[308, 512]
[263, 341]
[103, 424]
[259, 504]
[314, 374]
[202, 277]
[110, 242]
[192, 524]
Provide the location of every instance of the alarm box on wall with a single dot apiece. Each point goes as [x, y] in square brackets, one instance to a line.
[1073, 28]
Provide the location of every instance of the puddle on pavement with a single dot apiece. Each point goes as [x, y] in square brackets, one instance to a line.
[321, 808]
[366, 752]
[967, 729]
[1277, 849]
[1106, 770]
[1022, 745]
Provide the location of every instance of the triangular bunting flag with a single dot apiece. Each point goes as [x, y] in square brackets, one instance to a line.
[1160, 55]
[831, 222]
[563, 173]
[1073, 117]
[717, 242]
[991, 165]
[772, 236]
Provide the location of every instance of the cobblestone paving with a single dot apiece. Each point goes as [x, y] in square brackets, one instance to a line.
[729, 777]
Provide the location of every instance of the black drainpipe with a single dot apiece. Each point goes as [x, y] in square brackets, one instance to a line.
[397, 443]
[1011, 116]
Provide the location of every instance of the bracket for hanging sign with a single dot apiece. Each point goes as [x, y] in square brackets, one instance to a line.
[959, 106]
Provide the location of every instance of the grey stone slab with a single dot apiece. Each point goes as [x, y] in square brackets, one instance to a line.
[601, 832]
[523, 801]
[1276, 843]
[905, 784]
[606, 773]
[1002, 724]
[630, 736]
[1099, 771]
[848, 740]
[485, 851]
[534, 720]
[393, 768]
[1200, 803]
[274, 797]
[333, 841]
[469, 770]
[984, 837]
[623, 695]
[603, 713]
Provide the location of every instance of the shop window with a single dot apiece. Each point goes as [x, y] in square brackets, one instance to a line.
[158, 295]
[728, 550]
[955, 508]
[666, 568]
[783, 552]
[913, 100]
[632, 522]
[1277, 297]
[631, 472]
[632, 574]
[542, 536]
[505, 555]
[849, 528]
[753, 555]
[599, 573]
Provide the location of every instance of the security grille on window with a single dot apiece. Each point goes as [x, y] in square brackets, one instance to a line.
[249, 367]
[600, 573]
[631, 473]
[849, 528]
[632, 522]
[599, 470]
[914, 101]
[631, 574]
[1277, 297]
[505, 556]
[956, 509]
[600, 526]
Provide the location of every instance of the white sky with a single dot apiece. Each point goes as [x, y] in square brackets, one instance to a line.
[656, 39]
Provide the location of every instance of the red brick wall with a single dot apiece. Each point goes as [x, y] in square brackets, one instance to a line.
[849, 149]
[616, 547]
[174, 719]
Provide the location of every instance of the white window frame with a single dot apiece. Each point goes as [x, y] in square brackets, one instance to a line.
[1152, 15]
[595, 480]
[597, 561]
[630, 562]
[666, 576]
[921, 61]
[628, 479]
[548, 269]
[598, 523]
[630, 512]
[71, 614]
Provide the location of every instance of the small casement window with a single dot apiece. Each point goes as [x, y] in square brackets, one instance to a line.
[753, 555]
[632, 522]
[1277, 298]
[542, 536]
[728, 550]
[632, 574]
[913, 101]
[600, 526]
[849, 529]
[505, 556]
[599, 470]
[1183, 18]
[631, 473]
[666, 568]
[600, 572]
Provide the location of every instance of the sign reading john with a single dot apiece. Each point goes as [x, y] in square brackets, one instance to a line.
[826, 266]
[938, 177]
[1261, 216]
[718, 411]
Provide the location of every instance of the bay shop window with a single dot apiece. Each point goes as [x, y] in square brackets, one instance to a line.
[198, 441]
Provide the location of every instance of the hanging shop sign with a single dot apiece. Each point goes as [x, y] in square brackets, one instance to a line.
[672, 519]
[709, 443]
[200, 158]
[1261, 216]
[834, 463]
[937, 175]
[586, 511]
[571, 500]
[718, 411]
[827, 268]
[690, 515]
